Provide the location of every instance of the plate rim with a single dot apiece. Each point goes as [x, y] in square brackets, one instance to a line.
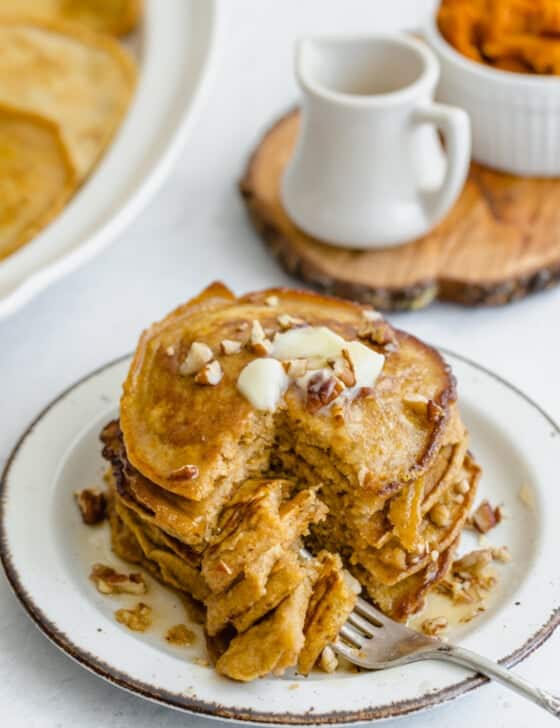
[213, 710]
[30, 286]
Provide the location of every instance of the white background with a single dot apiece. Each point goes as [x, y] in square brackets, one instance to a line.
[195, 231]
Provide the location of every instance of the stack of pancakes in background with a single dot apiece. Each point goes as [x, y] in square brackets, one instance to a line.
[65, 85]
[216, 497]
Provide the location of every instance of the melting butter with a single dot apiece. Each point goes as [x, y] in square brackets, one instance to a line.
[264, 380]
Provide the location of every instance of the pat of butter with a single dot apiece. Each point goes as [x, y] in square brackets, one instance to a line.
[366, 362]
[263, 382]
[303, 343]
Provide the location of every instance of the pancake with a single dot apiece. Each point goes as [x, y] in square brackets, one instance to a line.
[43, 68]
[36, 177]
[186, 439]
[216, 495]
[116, 17]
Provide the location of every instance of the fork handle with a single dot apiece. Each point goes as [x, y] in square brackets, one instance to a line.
[494, 670]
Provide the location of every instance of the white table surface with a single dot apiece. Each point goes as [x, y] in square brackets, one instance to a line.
[195, 231]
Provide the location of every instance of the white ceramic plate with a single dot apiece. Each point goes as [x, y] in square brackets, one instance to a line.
[176, 42]
[47, 554]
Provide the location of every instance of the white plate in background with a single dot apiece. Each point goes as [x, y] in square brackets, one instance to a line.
[47, 554]
[175, 45]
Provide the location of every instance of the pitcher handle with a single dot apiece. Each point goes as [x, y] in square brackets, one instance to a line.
[454, 125]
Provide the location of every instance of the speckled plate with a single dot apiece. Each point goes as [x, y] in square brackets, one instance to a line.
[47, 554]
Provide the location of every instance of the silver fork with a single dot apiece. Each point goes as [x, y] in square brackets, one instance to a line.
[373, 641]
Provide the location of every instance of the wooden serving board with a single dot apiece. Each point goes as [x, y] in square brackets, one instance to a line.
[500, 242]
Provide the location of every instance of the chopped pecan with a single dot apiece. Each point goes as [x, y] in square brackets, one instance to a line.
[92, 504]
[343, 367]
[471, 577]
[180, 635]
[473, 563]
[109, 581]
[137, 619]
[289, 322]
[230, 346]
[485, 518]
[433, 627]
[322, 389]
[199, 355]
[210, 374]
[258, 342]
[378, 332]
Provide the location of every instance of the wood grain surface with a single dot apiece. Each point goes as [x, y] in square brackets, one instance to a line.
[500, 242]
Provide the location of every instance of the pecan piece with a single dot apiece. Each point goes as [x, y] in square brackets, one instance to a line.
[485, 518]
[180, 635]
[258, 342]
[137, 619]
[378, 332]
[109, 581]
[92, 504]
[210, 374]
[435, 626]
[199, 355]
[230, 346]
[343, 367]
[322, 389]
[289, 322]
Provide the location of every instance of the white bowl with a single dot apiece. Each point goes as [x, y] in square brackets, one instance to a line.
[175, 49]
[515, 117]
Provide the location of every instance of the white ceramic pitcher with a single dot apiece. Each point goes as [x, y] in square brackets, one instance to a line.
[369, 169]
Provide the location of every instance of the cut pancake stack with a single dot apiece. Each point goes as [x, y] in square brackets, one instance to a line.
[216, 497]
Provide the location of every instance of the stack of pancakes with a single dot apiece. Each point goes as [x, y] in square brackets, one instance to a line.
[215, 497]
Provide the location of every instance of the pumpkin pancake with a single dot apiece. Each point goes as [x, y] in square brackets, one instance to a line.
[36, 177]
[186, 437]
[81, 81]
[116, 17]
[251, 427]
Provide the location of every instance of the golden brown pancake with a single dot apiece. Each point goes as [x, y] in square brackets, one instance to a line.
[185, 437]
[116, 17]
[378, 486]
[81, 81]
[36, 176]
